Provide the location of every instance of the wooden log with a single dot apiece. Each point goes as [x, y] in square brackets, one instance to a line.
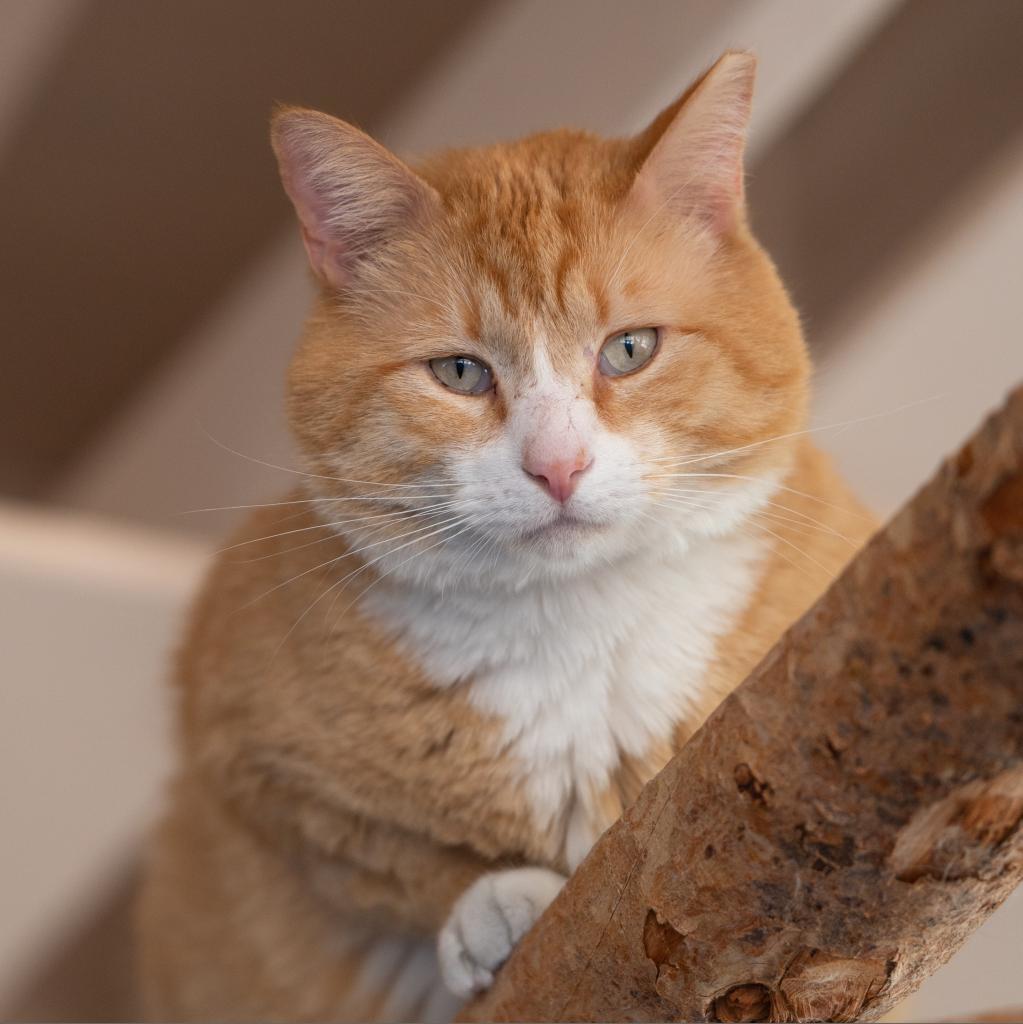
[846, 818]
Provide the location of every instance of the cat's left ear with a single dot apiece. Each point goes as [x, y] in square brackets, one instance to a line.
[350, 193]
[693, 150]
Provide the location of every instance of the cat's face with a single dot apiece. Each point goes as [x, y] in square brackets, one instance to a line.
[510, 367]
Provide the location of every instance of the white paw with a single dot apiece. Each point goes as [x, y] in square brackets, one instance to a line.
[488, 920]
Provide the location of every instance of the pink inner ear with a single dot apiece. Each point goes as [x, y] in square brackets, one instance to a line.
[722, 207]
[326, 257]
[349, 192]
[325, 252]
[695, 168]
[715, 201]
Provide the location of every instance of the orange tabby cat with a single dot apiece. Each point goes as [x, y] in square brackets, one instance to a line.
[555, 504]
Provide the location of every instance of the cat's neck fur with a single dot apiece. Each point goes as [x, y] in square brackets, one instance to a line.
[581, 671]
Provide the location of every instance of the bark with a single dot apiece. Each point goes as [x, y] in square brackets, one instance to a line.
[846, 818]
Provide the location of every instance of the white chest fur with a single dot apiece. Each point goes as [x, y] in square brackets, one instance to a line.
[584, 670]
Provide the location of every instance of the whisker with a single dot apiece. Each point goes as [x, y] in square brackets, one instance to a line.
[798, 433]
[300, 472]
[762, 480]
[351, 575]
[469, 523]
[803, 528]
[457, 520]
[373, 532]
[341, 522]
[392, 498]
[823, 568]
[491, 553]
[334, 585]
[465, 560]
[802, 517]
[495, 551]
[330, 561]
[675, 505]
[781, 554]
[258, 504]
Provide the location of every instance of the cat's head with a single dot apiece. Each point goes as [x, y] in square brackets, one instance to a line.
[532, 357]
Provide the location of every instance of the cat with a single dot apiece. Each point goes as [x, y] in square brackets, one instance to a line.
[557, 500]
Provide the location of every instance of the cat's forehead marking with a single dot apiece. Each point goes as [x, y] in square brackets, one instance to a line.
[526, 224]
[535, 227]
[516, 332]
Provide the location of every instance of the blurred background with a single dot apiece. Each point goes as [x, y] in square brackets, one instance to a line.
[152, 285]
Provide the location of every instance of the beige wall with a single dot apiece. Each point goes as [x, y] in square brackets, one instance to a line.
[933, 348]
[89, 615]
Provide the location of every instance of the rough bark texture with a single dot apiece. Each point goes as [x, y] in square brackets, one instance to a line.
[847, 816]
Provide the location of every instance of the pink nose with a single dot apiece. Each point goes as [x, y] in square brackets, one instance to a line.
[559, 477]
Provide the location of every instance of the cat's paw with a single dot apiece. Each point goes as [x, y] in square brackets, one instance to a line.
[488, 920]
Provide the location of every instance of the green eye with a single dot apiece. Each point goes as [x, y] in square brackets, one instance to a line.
[628, 351]
[462, 374]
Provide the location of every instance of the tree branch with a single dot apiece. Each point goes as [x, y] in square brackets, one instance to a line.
[846, 818]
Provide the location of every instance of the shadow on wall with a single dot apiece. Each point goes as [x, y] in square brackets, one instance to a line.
[89, 977]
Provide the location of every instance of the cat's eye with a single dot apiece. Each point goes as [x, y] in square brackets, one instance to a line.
[462, 374]
[627, 351]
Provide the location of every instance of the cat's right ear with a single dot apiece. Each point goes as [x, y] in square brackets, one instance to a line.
[349, 192]
[692, 153]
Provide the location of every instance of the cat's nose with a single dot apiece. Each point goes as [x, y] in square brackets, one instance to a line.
[559, 477]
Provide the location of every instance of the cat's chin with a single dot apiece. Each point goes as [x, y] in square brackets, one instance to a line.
[572, 544]
[564, 530]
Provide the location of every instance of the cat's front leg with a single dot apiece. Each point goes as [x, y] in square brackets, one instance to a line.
[487, 922]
